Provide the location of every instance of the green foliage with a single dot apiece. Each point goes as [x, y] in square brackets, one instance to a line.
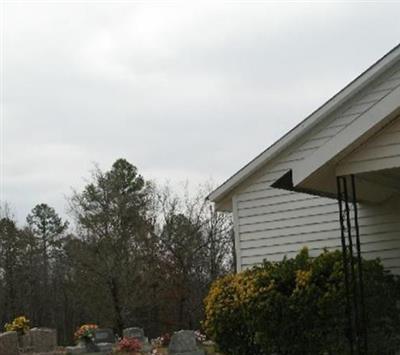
[45, 223]
[19, 324]
[47, 231]
[229, 313]
[136, 254]
[15, 262]
[297, 306]
[112, 216]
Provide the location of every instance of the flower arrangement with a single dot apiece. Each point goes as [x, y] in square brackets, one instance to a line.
[161, 341]
[19, 325]
[129, 345]
[200, 337]
[85, 332]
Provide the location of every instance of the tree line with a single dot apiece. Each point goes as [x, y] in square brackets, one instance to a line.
[135, 254]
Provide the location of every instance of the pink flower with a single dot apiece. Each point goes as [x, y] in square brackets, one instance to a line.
[130, 345]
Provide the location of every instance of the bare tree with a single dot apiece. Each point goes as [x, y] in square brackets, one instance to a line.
[195, 248]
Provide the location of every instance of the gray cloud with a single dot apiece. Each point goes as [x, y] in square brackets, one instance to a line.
[183, 91]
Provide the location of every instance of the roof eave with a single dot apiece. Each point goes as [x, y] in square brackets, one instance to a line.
[227, 188]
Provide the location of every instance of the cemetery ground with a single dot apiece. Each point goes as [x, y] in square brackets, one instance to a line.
[91, 340]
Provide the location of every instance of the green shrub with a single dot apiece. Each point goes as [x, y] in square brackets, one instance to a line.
[228, 304]
[297, 306]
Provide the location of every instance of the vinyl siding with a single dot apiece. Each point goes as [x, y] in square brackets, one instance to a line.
[271, 223]
[379, 228]
[380, 152]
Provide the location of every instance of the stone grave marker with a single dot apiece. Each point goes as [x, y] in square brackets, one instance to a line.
[134, 332]
[137, 333]
[184, 343]
[103, 343]
[75, 350]
[43, 339]
[104, 335]
[25, 342]
[9, 343]
[104, 339]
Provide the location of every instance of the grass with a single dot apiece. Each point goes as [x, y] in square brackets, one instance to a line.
[210, 350]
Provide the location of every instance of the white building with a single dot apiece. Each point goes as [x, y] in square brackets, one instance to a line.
[286, 198]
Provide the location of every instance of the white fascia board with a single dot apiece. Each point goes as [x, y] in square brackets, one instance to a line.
[362, 128]
[368, 166]
[331, 105]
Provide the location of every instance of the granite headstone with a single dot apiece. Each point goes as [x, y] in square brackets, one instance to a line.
[9, 343]
[184, 343]
[104, 335]
[25, 342]
[134, 332]
[43, 339]
[137, 333]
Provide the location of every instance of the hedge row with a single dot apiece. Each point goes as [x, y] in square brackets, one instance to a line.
[297, 306]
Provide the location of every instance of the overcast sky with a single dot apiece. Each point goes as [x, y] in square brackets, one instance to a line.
[182, 90]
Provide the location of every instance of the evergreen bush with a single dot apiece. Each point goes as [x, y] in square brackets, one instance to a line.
[297, 306]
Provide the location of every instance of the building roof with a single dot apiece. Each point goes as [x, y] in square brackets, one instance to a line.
[225, 191]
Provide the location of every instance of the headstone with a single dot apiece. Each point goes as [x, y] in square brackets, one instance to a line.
[80, 349]
[105, 347]
[43, 339]
[138, 333]
[134, 332]
[184, 343]
[9, 343]
[104, 335]
[75, 350]
[103, 343]
[25, 342]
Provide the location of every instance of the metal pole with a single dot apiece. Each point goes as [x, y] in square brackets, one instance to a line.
[360, 268]
[352, 264]
[345, 266]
